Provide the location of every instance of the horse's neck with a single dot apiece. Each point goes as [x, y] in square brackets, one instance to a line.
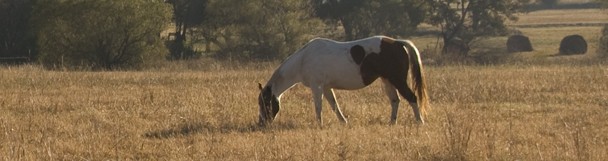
[286, 76]
[280, 83]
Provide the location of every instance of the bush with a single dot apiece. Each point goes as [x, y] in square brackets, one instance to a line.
[15, 37]
[549, 2]
[100, 34]
[377, 17]
[260, 29]
[603, 46]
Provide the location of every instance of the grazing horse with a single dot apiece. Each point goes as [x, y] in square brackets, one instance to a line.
[324, 65]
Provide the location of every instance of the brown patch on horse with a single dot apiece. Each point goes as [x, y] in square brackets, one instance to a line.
[368, 69]
[393, 60]
[388, 40]
[358, 53]
[385, 64]
[392, 64]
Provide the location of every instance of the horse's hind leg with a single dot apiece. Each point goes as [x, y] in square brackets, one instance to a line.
[331, 98]
[408, 94]
[391, 92]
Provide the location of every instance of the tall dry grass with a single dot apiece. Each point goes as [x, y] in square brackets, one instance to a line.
[205, 111]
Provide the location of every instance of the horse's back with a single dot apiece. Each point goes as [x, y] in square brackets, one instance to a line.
[329, 63]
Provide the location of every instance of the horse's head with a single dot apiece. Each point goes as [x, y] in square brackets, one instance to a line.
[269, 105]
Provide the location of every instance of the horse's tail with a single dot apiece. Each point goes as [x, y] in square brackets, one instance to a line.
[419, 84]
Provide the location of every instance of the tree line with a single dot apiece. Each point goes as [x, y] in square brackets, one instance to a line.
[119, 34]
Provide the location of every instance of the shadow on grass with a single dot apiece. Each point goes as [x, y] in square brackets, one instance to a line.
[187, 129]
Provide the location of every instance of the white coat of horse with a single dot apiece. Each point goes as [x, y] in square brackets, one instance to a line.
[324, 65]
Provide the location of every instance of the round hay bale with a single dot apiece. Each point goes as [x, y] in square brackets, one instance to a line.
[519, 43]
[573, 44]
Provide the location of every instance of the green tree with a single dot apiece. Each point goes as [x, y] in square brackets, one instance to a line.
[549, 2]
[100, 34]
[16, 39]
[603, 2]
[363, 18]
[337, 12]
[603, 43]
[259, 28]
[187, 14]
[468, 19]
[387, 17]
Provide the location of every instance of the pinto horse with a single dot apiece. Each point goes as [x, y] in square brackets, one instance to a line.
[324, 65]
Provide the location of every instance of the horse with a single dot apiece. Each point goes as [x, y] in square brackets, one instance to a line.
[324, 65]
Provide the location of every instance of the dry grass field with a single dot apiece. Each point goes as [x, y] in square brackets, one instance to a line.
[535, 106]
[208, 112]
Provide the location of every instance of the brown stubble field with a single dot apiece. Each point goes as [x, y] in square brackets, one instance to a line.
[502, 112]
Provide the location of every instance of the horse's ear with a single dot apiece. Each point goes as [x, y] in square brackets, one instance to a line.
[260, 86]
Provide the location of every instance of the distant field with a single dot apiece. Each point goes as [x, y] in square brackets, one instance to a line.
[575, 1]
[545, 28]
[563, 17]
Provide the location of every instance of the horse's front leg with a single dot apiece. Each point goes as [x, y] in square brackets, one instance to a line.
[317, 94]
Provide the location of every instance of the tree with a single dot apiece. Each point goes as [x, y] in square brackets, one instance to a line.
[603, 2]
[549, 2]
[387, 17]
[339, 11]
[363, 18]
[78, 33]
[187, 14]
[603, 43]
[263, 29]
[16, 39]
[468, 19]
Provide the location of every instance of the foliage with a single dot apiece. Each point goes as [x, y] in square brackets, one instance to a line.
[259, 28]
[366, 18]
[187, 14]
[468, 19]
[15, 37]
[387, 17]
[604, 2]
[337, 12]
[101, 34]
[603, 43]
[549, 2]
